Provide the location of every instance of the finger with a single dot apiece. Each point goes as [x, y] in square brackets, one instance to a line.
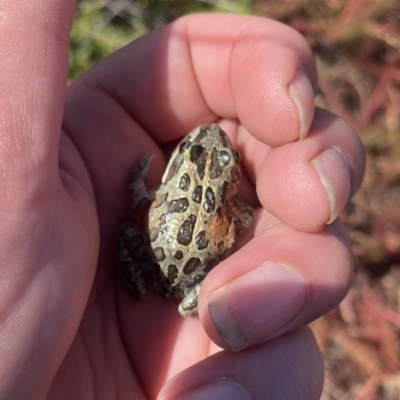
[307, 183]
[288, 368]
[178, 77]
[36, 278]
[282, 279]
[34, 62]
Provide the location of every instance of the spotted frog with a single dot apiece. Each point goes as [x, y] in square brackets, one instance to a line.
[191, 222]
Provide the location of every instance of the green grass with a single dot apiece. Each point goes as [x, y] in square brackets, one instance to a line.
[98, 31]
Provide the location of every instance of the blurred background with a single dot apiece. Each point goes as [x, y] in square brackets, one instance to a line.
[357, 47]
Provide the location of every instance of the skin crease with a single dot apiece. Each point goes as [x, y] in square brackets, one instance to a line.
[68, 328]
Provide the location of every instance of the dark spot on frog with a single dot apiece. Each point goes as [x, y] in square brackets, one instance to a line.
[222, 138]
[182, 147]
[191, 265]
[184, 183]
[198, 156]
[222, 191]
[202, 133]
[209, 201]
[197, 193]
[214, 131]
[196, 152]
[215, 168]
[185, 232]
[172, 272]
[178, 255]
[159, 254]
[201, 240]
[179, 205]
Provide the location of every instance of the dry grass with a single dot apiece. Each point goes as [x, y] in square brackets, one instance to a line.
[357, 46]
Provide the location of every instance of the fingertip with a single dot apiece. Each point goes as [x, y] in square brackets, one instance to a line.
[302, 93]
[307, 183]
[333, 170]
[232, 307]
[280, 280]
[274, 90]
[287, 368]
[289, 187]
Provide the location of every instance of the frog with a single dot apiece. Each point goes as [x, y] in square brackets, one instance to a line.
[191, 220]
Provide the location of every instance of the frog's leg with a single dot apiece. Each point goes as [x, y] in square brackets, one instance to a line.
[132, 249]
[188, 306]
[243, 215]
[135, 264]
[138, 194]
[132, 252]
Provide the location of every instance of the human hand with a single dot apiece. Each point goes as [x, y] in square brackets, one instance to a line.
[69, 330]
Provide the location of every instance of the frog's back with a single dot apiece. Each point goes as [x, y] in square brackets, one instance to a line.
[190, 222]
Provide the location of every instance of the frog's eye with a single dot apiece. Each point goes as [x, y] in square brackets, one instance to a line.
[236, 154]
[223, 158]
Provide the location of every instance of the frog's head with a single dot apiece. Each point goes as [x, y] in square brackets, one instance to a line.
[208, 148]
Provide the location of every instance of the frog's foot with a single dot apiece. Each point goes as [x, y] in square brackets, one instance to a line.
[138, 194]
[188, 306]
[131, 252]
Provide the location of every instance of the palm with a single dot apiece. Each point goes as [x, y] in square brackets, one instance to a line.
[149, 341]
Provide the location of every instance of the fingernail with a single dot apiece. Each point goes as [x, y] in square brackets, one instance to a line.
[217, 390]
[333, 170]
[302, 92]
[256, 304]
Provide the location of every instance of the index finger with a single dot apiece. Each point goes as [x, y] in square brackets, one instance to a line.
[257, 70]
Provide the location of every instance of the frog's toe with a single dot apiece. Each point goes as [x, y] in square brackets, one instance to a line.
[188, 306]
